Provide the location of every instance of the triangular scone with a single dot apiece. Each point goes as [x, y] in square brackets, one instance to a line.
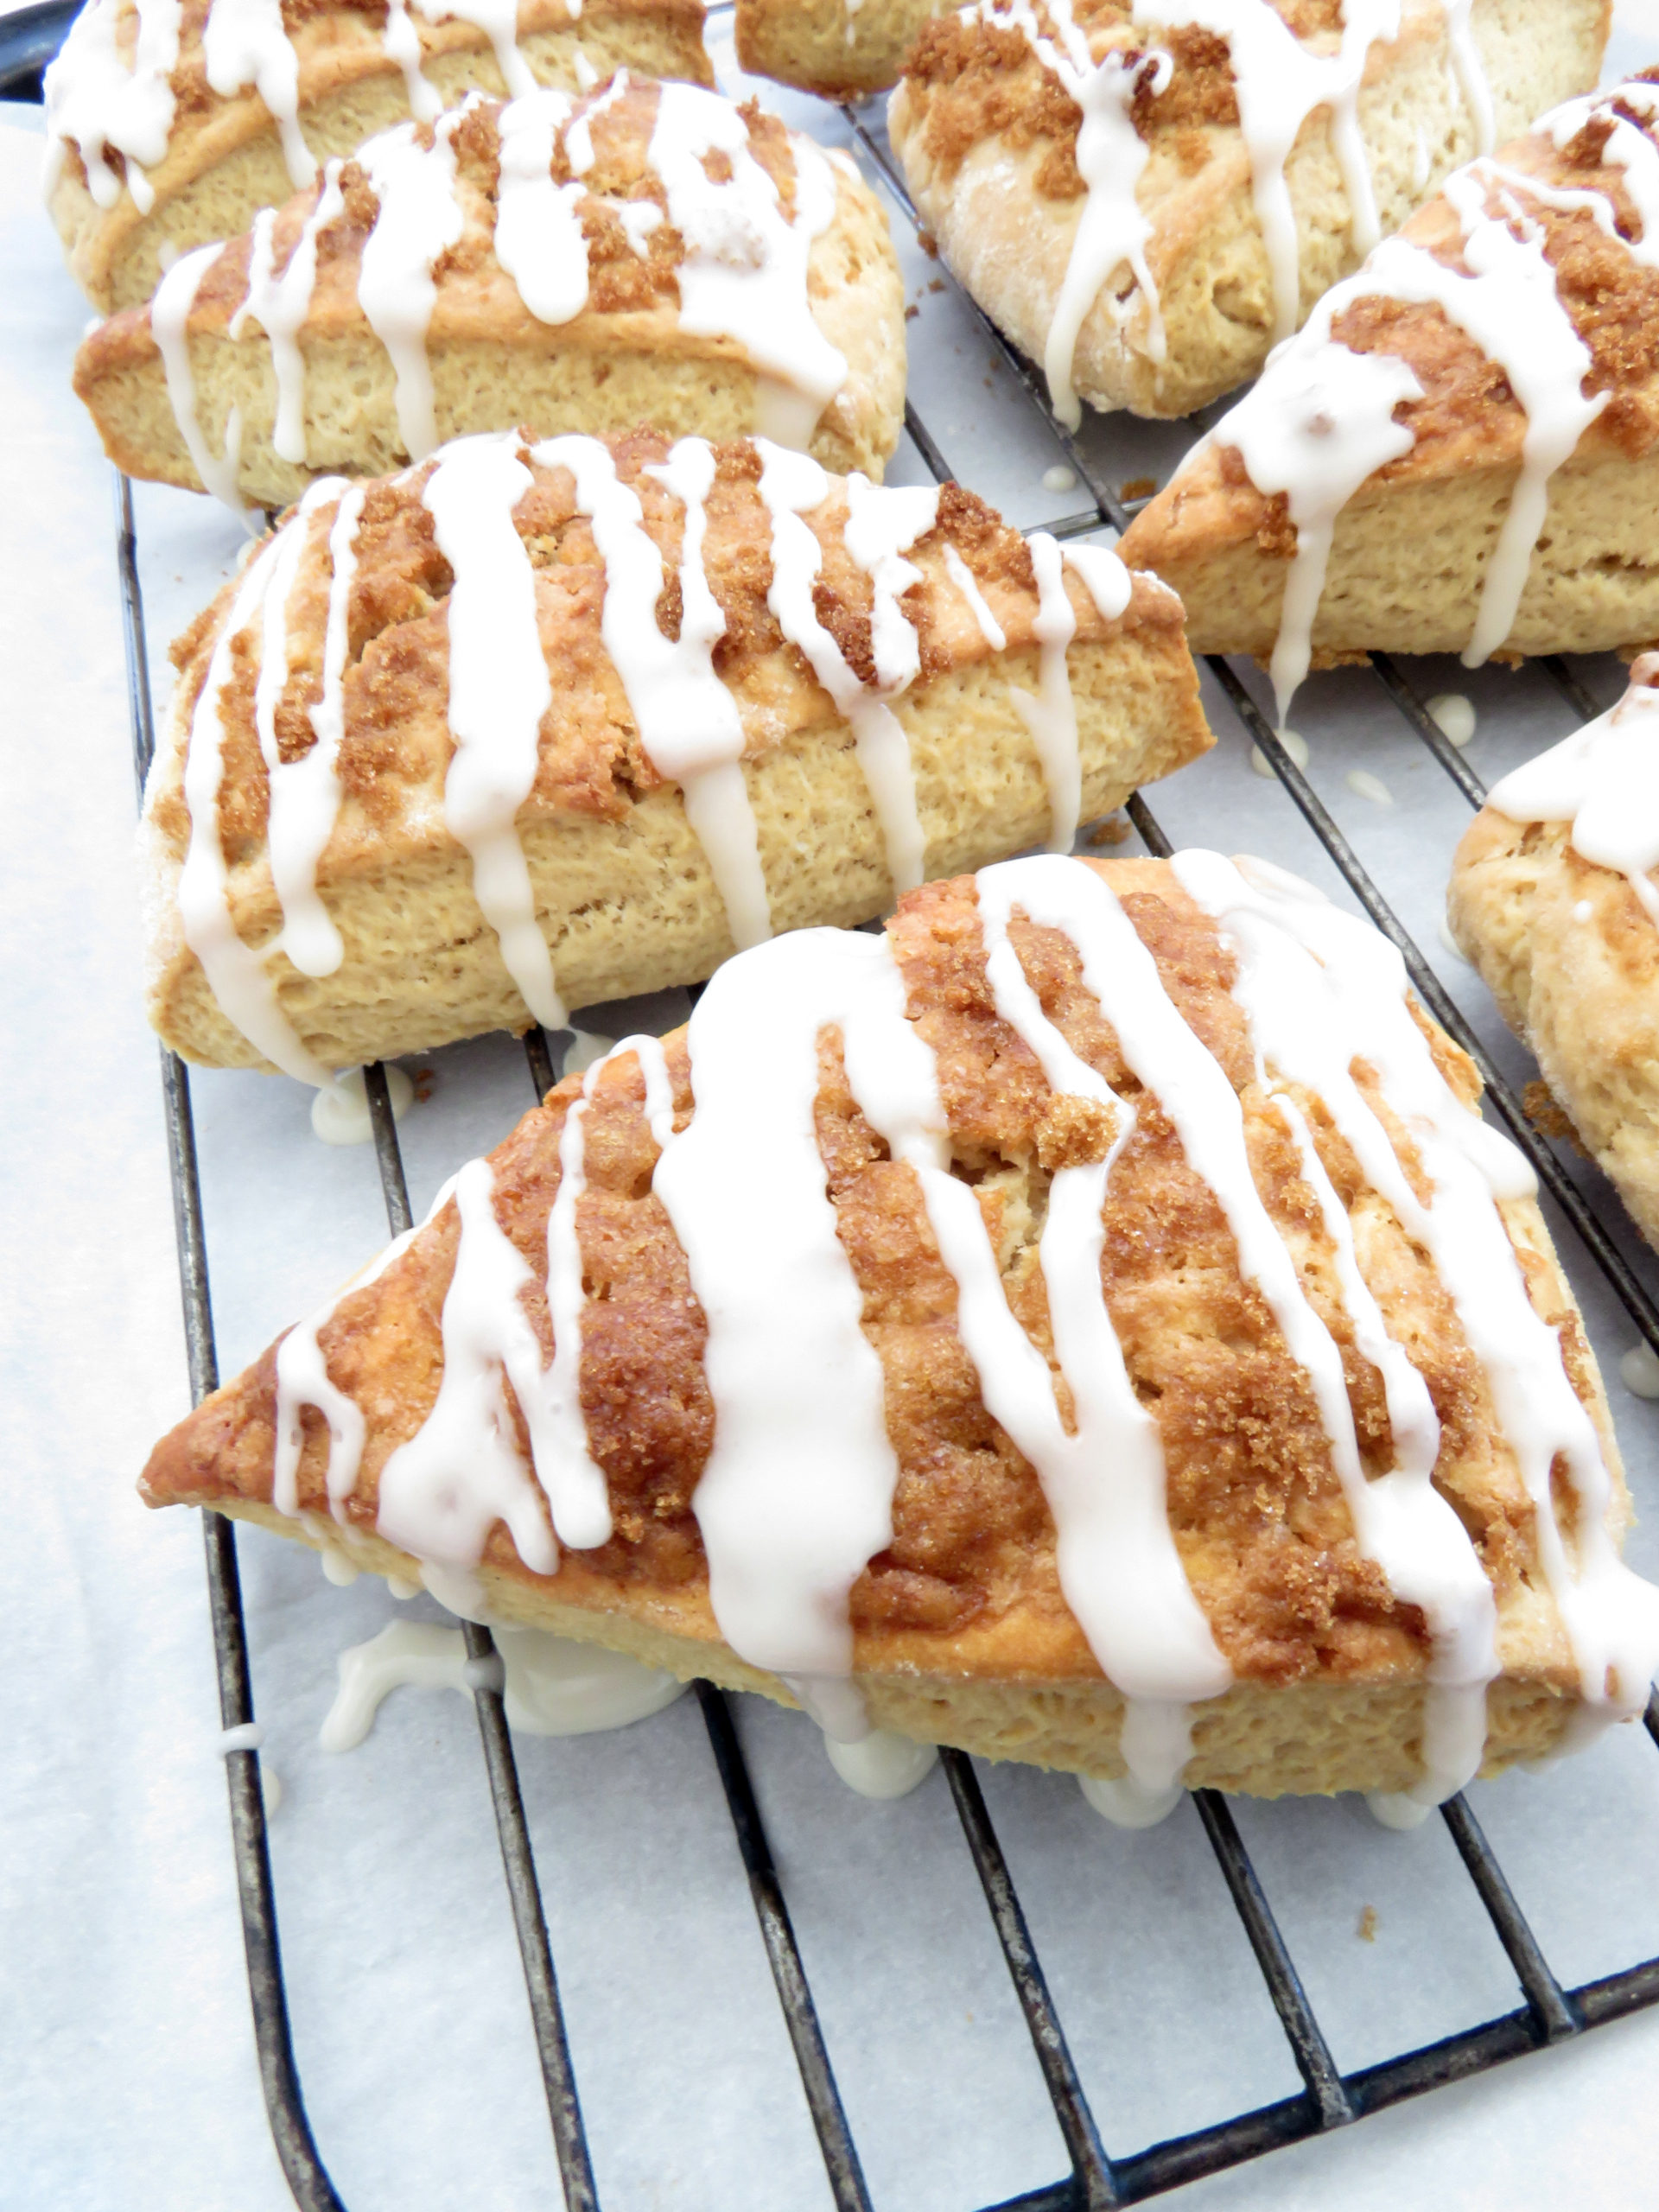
[537, 725]
[173, 122]
[1553, 898]
[958, 1330]
[648, 253]
[842, 49]
[1236, 160]
[1460, 453]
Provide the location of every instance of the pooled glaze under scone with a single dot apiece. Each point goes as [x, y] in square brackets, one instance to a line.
[172, 122]
[645, 254]
[1147, 197]
[1002, 1159]
[1552, 899]
[1460, 452]
[537, 725]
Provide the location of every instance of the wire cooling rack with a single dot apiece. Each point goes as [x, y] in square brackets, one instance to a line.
[1549, 2013]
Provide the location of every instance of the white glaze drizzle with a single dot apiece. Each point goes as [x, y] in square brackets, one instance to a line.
[442, 1492]
[169, 315]
[419, 218]
[551, 1685]
[968, 584]
[1316, 427]
[538, 238]
[302, 1380]
[1279, 84]
[688, 720]
[1302, 1034]
[305, 793]
[1125, 1803]
[1104, 1481]
[882, 523]
[1104, 577]
[242, 43]
[1611, 1617]
[744, 277]
[579, 136]
[1110, 155]
[1050, 713]
[280, 305]
[498, 21]
[882, 1765]
[1604, 780]
[1470, 73]
[576, 1484]
[797, 1495]
[499, 691]
[1321, 420]
[1177, 1068]
[1627, 149]
[402, 44]
[96, 99]
[237, 976]
[744, 273]
[1514, 313]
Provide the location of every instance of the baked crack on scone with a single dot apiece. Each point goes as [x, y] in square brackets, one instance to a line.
[1090, 1323]
[648, 253]
[171, 123]
[545, 724]
[1148, 198]
[1552, 899]
[840, 49]
[1460, 452]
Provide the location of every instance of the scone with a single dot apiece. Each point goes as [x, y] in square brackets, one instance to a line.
[1147, 199]
[842, 49]
[539, 724]
[1460, 452]
[648, 253]
[960, 1330]
[1552, 898]
[173, 122]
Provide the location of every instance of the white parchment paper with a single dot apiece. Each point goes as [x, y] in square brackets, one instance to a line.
[128, 2080]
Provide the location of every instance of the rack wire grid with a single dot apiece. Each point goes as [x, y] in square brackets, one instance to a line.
[1330, 2099]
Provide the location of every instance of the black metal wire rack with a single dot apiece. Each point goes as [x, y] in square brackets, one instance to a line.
[1098, 2178]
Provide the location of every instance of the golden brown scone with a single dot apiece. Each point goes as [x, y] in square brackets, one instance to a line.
[600, 321]
[1189, 261]
[575, 704]
[966, 1599]
[1568, 945]
[236, 114]
[1553, 354]
[842, 49]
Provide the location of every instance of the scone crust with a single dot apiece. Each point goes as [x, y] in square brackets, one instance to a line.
[988, 139]
[825, 46]
[961, 1630]
[1572, 958]
[349, 88]
[623, 890]
[1410, 548]
[624, 359]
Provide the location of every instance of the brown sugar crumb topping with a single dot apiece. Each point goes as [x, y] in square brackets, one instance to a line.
[970, 80]
[1254, 1503]
[396, 741]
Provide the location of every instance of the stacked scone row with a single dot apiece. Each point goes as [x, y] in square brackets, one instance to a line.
[1089, 1323]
